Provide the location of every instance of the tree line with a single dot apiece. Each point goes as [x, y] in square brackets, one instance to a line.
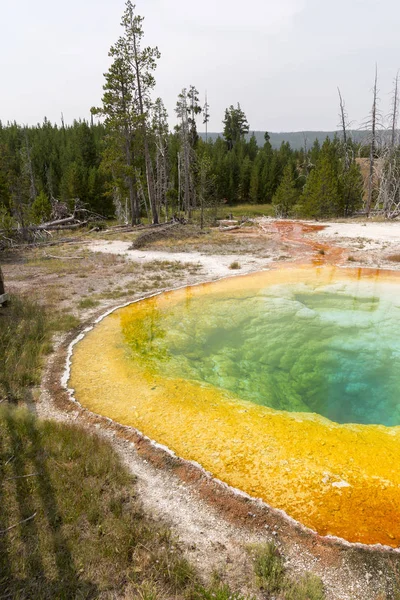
[130, 164]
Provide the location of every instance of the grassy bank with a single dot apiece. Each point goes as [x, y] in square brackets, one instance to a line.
[247, 210]
[25, 337]
[71, 525]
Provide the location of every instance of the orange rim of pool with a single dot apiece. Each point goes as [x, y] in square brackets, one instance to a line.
[283, 384]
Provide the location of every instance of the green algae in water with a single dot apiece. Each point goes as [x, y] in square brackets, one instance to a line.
[331, 350]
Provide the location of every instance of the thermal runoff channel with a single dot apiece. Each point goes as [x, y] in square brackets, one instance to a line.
[284, 384]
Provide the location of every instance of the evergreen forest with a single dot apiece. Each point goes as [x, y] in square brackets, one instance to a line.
[127, 164]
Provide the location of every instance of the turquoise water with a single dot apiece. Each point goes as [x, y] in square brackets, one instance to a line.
[332, 350]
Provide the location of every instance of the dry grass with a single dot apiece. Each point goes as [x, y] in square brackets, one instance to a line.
[67, 261]
[172, 232]
[85, 535]
[394, 258]
[213, 242]
[83, 280]
[87, 303]
[25, 337]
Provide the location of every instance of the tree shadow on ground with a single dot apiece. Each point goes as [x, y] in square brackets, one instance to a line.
[28, 504]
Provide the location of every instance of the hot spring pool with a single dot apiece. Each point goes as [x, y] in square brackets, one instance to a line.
[284, 384]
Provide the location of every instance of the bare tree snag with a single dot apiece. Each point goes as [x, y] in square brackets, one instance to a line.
[395, 111]
[373, 144]
[344, 125]
[206, 118]
[184, 163]
[342, 117]
[143, 61]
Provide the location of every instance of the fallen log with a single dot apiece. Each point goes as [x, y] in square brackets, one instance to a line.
[154, 233]
[64, 227]
[50, 224]
[231, 228]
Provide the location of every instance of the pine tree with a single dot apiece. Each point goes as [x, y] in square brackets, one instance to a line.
[287, 194]
[352, 187]
[235, 125]
[206, 186]
[321, 196]
[194, 109]
[121, 121]
[255, 191]
[126, 106]
[161, 132]
[185, 156]
[41, 208]
[143, 62]
[245, 178]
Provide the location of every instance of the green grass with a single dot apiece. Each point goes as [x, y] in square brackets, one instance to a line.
[273, 578]
[246, 210]
[71, 525]
[88, 303]
[235, 265]
[269, 568]
[25, 337]
[306, 587]
[88, 534]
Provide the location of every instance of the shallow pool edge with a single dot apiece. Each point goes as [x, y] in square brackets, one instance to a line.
[65, 377]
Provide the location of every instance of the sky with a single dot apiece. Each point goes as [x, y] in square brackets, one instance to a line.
[282, 60]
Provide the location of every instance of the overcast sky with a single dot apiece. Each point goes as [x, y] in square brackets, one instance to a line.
[281, 59]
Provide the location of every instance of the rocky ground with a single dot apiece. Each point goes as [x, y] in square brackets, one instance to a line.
[91, 276]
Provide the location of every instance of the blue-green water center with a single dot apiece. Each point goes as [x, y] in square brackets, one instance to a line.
[308, 347]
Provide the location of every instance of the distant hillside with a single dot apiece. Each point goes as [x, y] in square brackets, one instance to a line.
[295, 138]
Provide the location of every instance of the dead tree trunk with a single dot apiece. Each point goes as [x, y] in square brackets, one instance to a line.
[373, 144]
[206, 116]
[133, 196]
[165, 182]
[343, 123]
[179, 181]
[142, 195]
[388, 200]
[147, 158]
[185, 152]
[342, 117]
[129, 157]
[395, 110]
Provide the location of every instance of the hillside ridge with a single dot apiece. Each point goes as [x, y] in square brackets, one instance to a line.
[295, 138]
